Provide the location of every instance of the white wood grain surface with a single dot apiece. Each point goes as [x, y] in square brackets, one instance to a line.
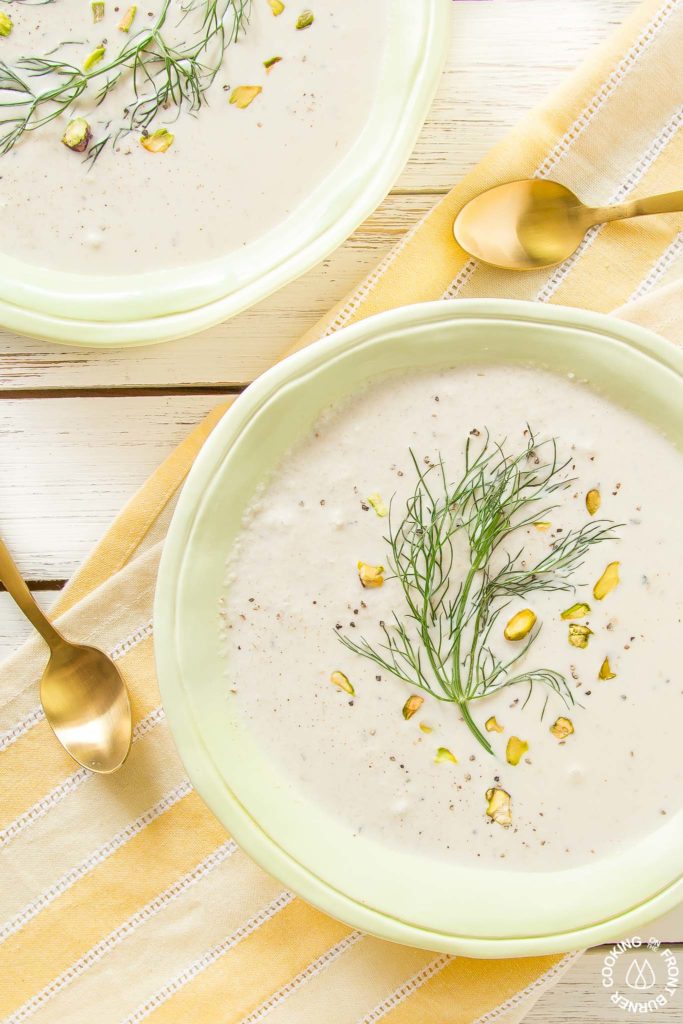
[80, 430]
[70, 464]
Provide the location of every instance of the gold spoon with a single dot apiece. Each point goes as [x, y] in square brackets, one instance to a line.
[524, 225]
[82, 692]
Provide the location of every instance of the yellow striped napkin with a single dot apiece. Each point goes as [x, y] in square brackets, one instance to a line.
[122, 898]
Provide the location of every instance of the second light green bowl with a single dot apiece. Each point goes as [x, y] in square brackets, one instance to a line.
[393, 893]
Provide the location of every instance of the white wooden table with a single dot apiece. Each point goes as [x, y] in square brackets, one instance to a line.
[81, 430]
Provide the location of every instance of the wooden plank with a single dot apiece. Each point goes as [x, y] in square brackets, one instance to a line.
[579, 997]
[234, 352]
[505, 56]
[496, 71]
[69, 465]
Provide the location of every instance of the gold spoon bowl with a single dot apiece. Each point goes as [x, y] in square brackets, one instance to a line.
[524, 225]
[83, 694]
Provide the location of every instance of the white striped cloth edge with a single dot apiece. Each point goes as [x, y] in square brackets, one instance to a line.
[584, 119]
[169, 989]
[117, 936]
[85, 866]
[69, 785]
[641, 167]
[36, 715]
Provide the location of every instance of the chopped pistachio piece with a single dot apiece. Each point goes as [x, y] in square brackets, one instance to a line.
[243, 95]
[543, 525]
[77, 135]
[577, 611]
[158, 142]
[516, 749]
[492, 725]
[444, 754]
[271, 62]
[607, 582]
[499, 807]
[425, 728]
[127, 20]
[606, 671]
[578, 635]
[562, 728]
[593, 501]
[370, 575]
[412, 705]
[94, 58]
[304, 20]
[343, 682]
[277, 7]
[6, 24]
[97, 8]
[520, 625]
[375, 501]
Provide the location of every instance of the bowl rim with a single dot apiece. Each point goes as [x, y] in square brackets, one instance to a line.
[193, 751]
[149, 308]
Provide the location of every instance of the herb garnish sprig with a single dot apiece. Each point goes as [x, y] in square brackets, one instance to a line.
[159, 74]
[442, 641]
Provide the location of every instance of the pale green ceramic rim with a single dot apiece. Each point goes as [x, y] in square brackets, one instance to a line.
[145, 309]
[526, 913]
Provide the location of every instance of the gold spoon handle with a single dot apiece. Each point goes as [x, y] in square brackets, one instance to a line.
[668, 202]
[17, 589]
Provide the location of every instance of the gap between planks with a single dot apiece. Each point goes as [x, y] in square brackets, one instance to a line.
[39, 585]
[144, 391]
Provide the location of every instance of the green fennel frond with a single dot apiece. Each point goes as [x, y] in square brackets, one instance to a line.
[441, 641]
[156, 74]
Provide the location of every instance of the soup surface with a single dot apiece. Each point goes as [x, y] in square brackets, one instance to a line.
[232, 172]
[548, 628]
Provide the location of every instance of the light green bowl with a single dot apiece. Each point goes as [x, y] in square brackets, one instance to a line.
[143, 309]
[457, 909]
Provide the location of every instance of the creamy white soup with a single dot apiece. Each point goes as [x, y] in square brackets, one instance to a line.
[285, 105]
[546, 603]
